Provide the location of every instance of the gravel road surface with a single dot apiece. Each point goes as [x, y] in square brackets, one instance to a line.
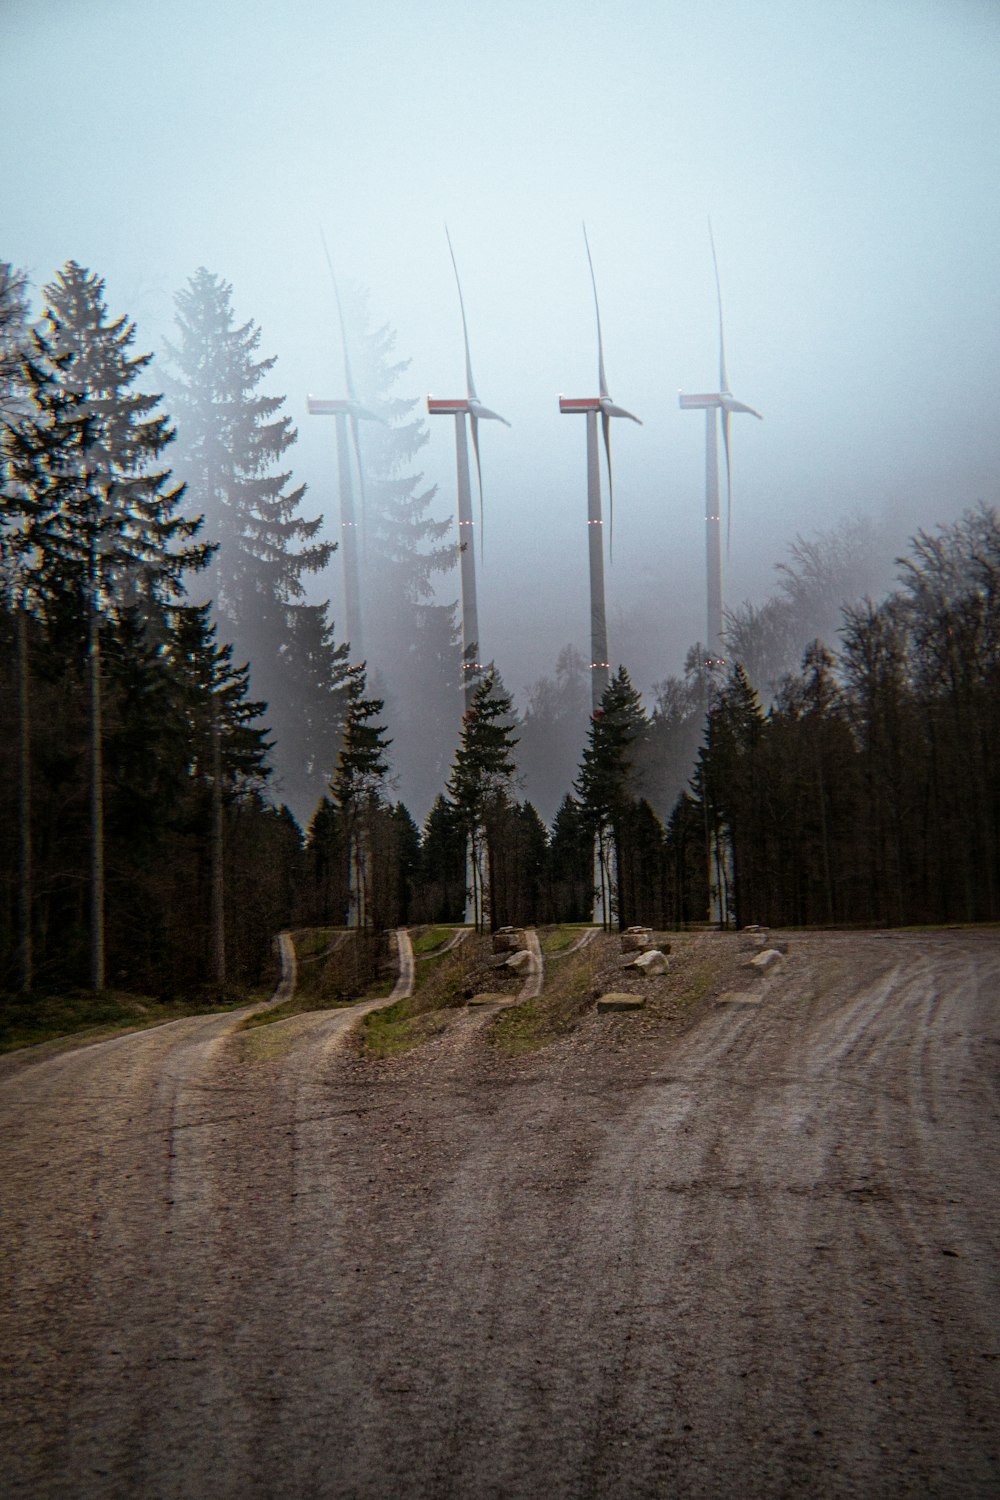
[760, 1259]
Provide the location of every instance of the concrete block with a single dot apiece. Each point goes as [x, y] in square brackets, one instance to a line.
[615, 1000]
[635, 939]
[506, 940]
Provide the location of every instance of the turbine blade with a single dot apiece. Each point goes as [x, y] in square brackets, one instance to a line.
[723, 376]
[340, 314]
[619, 411]
[606, 429]
[750, 411]
[601, 378]
[484, 414]
[724, 414]
[470, 383]
[474, 425]
[362, 493]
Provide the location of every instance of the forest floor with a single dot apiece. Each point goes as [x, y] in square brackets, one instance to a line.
[742, 1242]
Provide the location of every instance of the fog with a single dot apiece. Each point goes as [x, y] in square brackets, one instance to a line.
[846, 152]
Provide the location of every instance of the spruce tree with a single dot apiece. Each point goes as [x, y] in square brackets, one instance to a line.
[571, 864]
[553, 729]
[609, 785]
[412, 640]
[114, 540]
[480, 784]
[441, 879]
[232, 440]
[358, 791]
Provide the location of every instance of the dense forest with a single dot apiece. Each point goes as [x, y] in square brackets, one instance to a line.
[191, 760]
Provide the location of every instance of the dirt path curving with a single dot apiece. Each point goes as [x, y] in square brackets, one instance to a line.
[759, 1260]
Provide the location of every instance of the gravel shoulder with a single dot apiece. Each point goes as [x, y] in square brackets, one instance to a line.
[705, 1250]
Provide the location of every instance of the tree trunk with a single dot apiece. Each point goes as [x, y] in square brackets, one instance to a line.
[96, 806]
[217, 852]
[24, 808]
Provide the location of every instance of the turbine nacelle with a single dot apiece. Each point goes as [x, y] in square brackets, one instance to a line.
[457, 405]
[569, 405]
[319, 406]
[722, 400]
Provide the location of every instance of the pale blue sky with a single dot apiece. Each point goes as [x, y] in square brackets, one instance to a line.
[847, 152]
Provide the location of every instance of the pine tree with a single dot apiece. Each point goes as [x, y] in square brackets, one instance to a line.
[480, 784]
[412, 640]
[728, 782]
[114, 539]
[226, 748]
[553, 729]
[571, 864]
[441, 880]
[31, 451]
[358, 792]
[231, 441]
[608, 785]
[15, 340]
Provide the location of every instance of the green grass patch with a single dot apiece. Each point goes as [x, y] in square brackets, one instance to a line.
[26, 1021]
[440, 987]
[554, 940]
[566, 999]
[335, 967]
[389, 1032]
[427, 939]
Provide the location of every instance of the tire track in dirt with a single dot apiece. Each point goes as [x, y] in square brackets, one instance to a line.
[259, 1266]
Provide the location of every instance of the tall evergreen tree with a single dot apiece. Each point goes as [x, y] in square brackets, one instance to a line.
[553, 729]
[114, 540]
[412, 639]
[358, 793]
[608, 785]
[14, 339]
[231, 442]
[441, 881]
[570, 874]
[480, 784]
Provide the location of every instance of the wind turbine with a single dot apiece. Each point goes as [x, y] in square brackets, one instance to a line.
[347, 413]
[591, 407]
[722, 401]
[476, 412]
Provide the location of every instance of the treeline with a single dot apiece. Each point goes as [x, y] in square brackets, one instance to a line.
[138, 846]
[164, 678]
[142, 847]
[870, 792]
[866, 794]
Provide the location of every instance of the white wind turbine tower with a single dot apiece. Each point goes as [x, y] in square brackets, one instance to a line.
[346, 413]
[460, 408]
[724, 402]
[591, 407]
[600, 668]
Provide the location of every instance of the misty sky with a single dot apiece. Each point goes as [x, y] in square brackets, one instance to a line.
[847, 153]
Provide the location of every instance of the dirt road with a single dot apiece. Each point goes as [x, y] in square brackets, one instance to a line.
[758, 1260]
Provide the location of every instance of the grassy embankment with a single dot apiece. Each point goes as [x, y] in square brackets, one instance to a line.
[80, 1016]
[566, 997]
[335, 967]
[445, 980]
[441, 982]
[572, 983]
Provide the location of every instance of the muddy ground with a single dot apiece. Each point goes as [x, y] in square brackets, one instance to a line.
[732, 1250]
